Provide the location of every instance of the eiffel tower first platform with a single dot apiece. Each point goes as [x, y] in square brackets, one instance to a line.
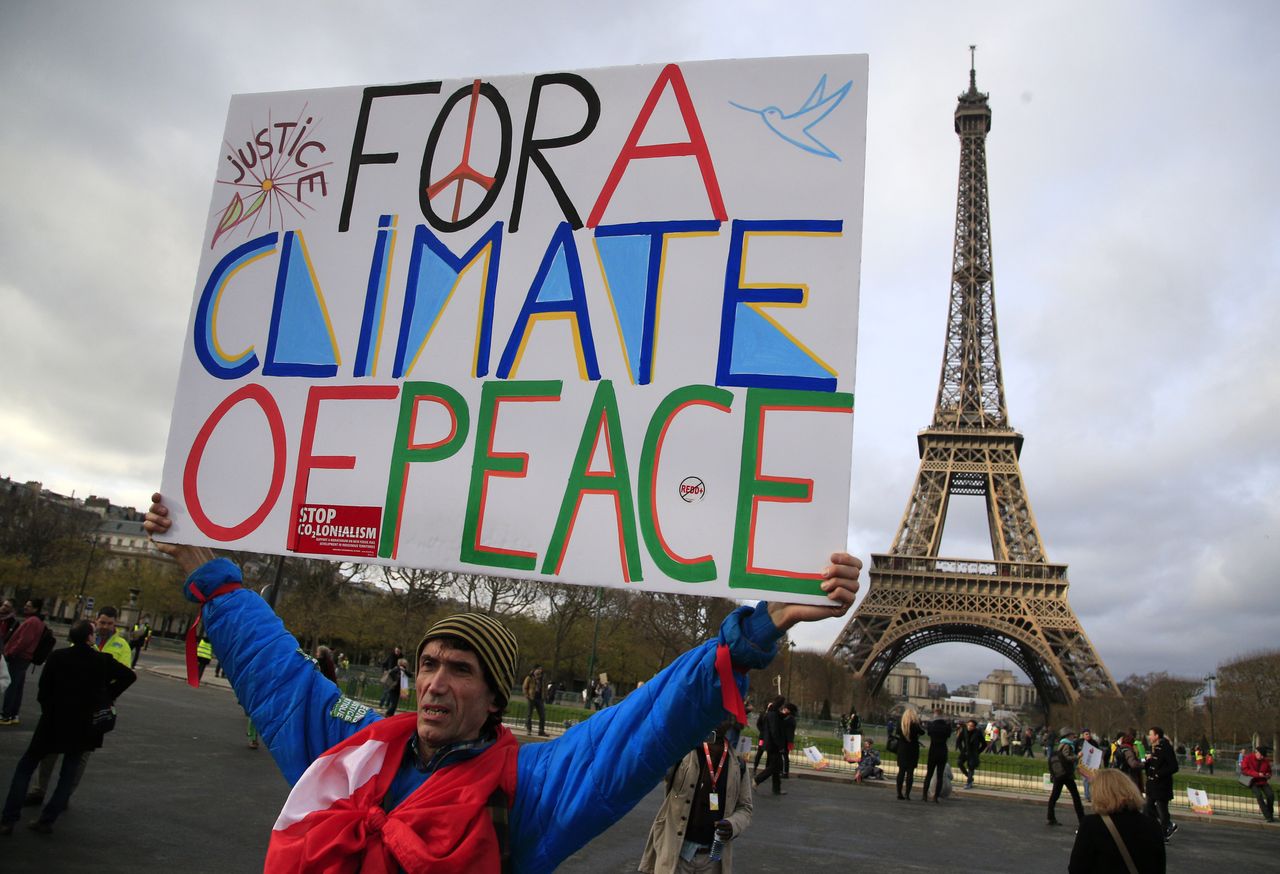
[1015, 604]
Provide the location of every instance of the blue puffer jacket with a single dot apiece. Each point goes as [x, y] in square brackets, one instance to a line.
[567, 790]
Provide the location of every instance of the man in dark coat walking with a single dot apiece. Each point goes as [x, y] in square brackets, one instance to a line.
[77, 682]
[789, 736]
[1161, 764]
[775, 745]
[969, 748]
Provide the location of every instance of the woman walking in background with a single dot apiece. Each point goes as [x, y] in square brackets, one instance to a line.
[910, 731]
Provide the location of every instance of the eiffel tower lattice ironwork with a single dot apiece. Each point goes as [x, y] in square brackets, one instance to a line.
[1015, 604]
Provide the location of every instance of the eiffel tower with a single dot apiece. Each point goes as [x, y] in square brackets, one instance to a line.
[1015, 604]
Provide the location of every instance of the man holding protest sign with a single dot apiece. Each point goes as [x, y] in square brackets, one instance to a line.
[448, 785]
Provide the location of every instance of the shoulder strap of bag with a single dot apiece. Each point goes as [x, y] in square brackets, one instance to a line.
[1124, 851]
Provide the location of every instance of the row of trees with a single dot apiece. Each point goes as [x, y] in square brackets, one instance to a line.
[47, 548]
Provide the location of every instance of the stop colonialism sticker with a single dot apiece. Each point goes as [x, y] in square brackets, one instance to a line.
[324, 529]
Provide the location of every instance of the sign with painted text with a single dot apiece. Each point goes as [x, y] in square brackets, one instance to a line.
[595, 327]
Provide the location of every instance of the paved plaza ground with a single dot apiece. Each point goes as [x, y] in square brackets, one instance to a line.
[176, 789]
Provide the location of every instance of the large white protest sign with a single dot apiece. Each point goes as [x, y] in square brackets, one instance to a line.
[594, 326]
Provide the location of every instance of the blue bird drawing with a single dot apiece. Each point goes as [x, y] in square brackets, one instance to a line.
[797, 127]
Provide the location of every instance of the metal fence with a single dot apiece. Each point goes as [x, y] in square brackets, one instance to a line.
[993, 774]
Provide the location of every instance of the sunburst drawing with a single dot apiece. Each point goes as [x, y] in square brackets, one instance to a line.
[268, 164]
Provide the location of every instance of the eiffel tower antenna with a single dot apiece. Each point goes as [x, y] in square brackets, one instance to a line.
[1016, 603]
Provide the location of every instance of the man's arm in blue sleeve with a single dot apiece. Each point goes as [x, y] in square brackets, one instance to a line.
[571, 789]
[297, 711]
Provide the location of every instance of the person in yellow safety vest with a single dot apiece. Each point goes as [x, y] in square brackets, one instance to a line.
[204, 655]
[141, 637]
[107, 638]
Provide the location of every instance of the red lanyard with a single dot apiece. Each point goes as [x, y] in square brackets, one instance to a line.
[715, 772]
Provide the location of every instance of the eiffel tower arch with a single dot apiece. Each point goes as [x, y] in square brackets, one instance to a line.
[1016, 603]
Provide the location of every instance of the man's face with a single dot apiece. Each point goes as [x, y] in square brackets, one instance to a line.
[105, 626]
[1151, 738]
[453, 698]
[6, 607]
[28, 608]
[1086, 735]
[972, 725]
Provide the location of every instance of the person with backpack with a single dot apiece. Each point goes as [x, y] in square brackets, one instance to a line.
[1062, 767]
[1125, 759]
[29, 644]
[1160, 766]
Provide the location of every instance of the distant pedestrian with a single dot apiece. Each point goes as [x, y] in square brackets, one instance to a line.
[1028, 742]
[396, 681]
[969, 749]
[1126, 760]
[1062, 768]
[78, 683]
[1116, 831]
[909, 731]
[535, 694]
[775, 745]
[8, 622]
[326, 663]
[139, 639]
[389, 664]
[204, 655]
[760, 723]
[939, 731]
[789, 732]
[19, 651]
[1160, 766]
[1257, 766]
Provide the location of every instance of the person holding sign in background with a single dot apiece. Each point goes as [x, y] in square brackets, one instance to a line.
[552, 798]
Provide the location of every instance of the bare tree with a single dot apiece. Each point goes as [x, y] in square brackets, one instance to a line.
[1248, 702]
[566, 606]
[496, 596]
[676, 623]
[42, 532]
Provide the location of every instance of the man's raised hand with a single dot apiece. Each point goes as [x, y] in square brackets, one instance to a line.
[157, 522]
[839, 581]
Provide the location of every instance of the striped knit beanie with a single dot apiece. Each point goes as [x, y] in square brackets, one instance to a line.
[494, 645]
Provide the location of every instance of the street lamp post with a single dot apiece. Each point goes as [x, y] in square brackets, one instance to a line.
[595, 637]
[791, 649]
[84, 579]
[1213, 743]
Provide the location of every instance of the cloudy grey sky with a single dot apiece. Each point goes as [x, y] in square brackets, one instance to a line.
[1134, 199]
